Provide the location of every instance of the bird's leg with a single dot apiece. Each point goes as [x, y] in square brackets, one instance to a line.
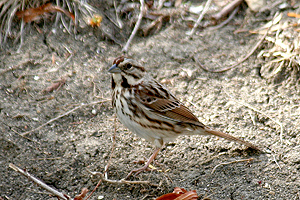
[139, 170]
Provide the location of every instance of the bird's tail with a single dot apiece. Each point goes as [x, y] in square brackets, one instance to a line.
[229, 137]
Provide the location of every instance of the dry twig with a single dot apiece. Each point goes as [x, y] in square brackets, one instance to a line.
[122, 181]
[60, 116]
[98, 184]
[227, 9]
[15, 67]
[157, 22]
[276, 161]
[228, 163]
[104, 176]
[190, 33]
[226, 21]
[68, 59]
[27, 138]
[158, 16]
[39, 182]
[212, 158]
[137, 25]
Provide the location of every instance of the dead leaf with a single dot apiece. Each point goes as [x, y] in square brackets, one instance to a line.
[179, 194]
[83, 193]
[55, 86]
[33, 14]
[293, 15]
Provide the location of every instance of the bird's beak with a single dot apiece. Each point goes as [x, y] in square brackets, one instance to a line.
[114, 69]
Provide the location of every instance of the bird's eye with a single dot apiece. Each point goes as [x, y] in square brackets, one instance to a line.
[128, 66]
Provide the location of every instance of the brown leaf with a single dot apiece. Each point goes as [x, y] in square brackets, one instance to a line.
[179, 194]
[33, 14]
[191, 195]
[55, 86]
[83, 193]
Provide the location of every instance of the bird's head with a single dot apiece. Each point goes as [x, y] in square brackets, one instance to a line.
[126, 72]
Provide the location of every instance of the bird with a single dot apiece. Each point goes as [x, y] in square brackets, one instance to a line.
[151, 111]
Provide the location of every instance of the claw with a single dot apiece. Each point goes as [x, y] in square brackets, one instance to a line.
[139, 170]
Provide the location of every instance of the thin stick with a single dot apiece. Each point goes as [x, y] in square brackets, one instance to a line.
[276, 161]
[212, 158]
[104, 176]
[14, 67]
[137, 25]
[27, 138]
[190, 33]
[21, 31]
[39, 182]
[122, 181]
[228, 163]
[60, 116]
[98, 184]
[227, 9]
[68, 59]
[226, 21]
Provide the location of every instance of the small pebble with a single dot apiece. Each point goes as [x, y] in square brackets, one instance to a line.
[272, 192]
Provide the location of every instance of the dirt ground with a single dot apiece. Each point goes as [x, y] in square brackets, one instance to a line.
[239, 102]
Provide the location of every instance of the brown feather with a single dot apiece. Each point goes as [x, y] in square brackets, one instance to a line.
[167, 107]
[172, 110]
[118, 60]
[229, 137]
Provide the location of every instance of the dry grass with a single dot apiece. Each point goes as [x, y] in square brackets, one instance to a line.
[13, 28]
[281, 56]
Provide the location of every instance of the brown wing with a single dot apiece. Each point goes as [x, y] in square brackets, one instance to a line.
[162, 102]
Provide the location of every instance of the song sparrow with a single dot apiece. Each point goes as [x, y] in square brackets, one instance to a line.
[149, 110]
